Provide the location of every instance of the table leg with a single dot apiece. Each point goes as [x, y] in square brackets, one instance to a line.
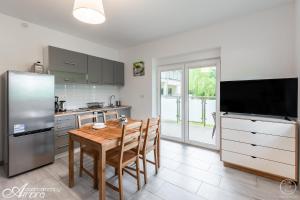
[71, 162]
[101, 173]
[158, 151]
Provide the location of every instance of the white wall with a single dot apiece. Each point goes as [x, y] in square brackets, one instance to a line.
[297, 45]
[20, 47]
[252, 47]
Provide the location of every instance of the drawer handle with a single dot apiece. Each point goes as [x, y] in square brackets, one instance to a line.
[66, 79]
[254, 145]
[64, 146]
[253, 132]
[70, 63]
[61, 135]
[253, 157]
[252, 120]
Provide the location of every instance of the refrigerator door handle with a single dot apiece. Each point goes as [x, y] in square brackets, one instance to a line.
[32, 132]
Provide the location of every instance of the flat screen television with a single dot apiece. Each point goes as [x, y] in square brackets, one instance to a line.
[276, 97]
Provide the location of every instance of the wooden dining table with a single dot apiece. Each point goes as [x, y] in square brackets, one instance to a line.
[101, 140]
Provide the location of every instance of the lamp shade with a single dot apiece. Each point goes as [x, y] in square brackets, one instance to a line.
[89, 11]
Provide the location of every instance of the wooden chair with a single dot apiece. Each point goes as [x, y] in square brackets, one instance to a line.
[125, 155]
[86, 150]
[150, 143]
[110, 115]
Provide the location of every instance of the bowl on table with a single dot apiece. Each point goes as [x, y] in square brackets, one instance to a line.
[99, 125]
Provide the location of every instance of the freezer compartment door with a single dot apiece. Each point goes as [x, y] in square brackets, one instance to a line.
[30, 101]
[30, 151]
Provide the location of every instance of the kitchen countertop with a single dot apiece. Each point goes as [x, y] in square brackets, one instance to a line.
[75, 112]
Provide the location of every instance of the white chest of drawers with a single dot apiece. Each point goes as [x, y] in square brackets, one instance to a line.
[257, 144]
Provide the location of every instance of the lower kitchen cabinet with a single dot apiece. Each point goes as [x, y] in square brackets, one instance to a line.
[62, 125]
[124, 111]
[69, 122]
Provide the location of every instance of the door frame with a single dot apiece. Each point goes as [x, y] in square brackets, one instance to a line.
[184, 105]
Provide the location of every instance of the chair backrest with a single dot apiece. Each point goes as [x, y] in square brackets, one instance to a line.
[152, 133]
[86, 119]
[110, 115]
[131, 138]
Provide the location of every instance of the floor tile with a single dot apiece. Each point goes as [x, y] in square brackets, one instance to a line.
[172, 192]
[199, 174]
[215, 193]
[185, 182]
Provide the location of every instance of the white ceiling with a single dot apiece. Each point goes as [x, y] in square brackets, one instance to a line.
[132, 22]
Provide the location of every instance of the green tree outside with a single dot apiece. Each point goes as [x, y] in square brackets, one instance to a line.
[202, 82]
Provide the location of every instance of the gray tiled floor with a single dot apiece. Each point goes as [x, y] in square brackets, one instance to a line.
[187, 173]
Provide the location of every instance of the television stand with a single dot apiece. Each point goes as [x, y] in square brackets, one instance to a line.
[266, 145]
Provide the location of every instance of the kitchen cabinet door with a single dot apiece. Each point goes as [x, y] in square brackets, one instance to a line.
[108, 72]
[66, 61]
[95, 70]
[68, 78]
[118, 73]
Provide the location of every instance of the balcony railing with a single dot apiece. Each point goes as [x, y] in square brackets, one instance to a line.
[201, 109]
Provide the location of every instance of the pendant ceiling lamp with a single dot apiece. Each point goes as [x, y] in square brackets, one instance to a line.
[89, 11]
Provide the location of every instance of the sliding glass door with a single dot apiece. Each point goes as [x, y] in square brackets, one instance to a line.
[188, 103]
[171, 99]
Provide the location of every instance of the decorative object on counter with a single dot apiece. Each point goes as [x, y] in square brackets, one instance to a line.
[118, 103]
[123, 120]
[139, 68]
[89, 11]
[38, 67]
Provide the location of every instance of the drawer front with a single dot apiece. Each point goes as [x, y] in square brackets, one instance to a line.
[64, 148]
[272, 128]
[278, 142]
[67, 61]
[65, 123]
[63, 119]
[61, 140]
[276, 155]
[270, 167]
[61, 149]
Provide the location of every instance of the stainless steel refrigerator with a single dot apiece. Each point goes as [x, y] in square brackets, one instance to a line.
[28, 121]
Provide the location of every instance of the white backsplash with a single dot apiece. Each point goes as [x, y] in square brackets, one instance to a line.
[76, 95]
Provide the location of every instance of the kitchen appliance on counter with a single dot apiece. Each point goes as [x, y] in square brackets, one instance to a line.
[95, 105]
[118, 103]
[28, 121]
[62, 106]
[56, 105]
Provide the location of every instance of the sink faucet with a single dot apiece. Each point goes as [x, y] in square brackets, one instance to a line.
[110, 98]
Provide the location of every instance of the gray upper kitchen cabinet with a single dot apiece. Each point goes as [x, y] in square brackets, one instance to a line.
[66, 61]
[69, 77]
[108, 72]
[95, 70]
[118, 73]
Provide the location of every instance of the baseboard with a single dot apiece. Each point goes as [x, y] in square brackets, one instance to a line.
[255, 172]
